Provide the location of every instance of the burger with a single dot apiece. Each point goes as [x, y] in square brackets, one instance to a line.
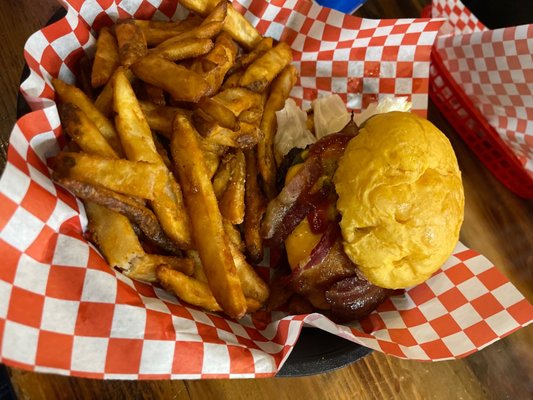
[367, 212]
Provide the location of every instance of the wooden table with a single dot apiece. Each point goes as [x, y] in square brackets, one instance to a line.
[497, 224]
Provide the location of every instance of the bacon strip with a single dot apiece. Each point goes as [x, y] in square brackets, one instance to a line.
[286, 211]
[278, 209]
[354, 297]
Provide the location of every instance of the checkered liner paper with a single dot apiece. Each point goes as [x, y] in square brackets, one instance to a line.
[63, 310]
[495, 70]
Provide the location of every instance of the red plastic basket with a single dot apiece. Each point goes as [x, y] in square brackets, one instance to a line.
[474, 129]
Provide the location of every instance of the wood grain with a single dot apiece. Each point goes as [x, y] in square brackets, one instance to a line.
[18, 20]
[29, 385]
[497, 224]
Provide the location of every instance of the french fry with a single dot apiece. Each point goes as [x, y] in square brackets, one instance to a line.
[114, 236]
[205, 123]
[135, 211]
[170, 210]
[254, 288]
[140, 179]
[234, 236]
[182, 83]
[247, 58]
[224, 39]
[84, 132]
[209, 27]
[238, 100]
[156, 36]
[217, 63]
[154, 94]
[200, 7]
[178, 216]
[116, 239]
[212, 150]
[131, 42]
[212, 153]
[255, 207]
[160, 118]
[182, 49]
[262, 47]
[156, 32]
[106, 58]
[252, 304]
[223, 175]
[71, 94]
[203, 31]
[252, 285]
[215, 18]
[163, 25]
[188, 289]
[199, 65]
[139, 145]
[133, 130]
[252, 116]
[207, 228]
[279, 92]
[232, 80]
[231, 202]
[219, 112]
[240, 29]
[104, 101]
[198, 272]
[152, 261]
[262, 71]
[246, 136]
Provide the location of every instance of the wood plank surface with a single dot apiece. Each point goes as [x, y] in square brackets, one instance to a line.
[497, 224]
[18, 20]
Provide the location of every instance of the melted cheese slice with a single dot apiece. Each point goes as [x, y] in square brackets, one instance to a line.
[300, 243]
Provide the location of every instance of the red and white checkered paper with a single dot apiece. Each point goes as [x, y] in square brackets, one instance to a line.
[63, 310]
[495, 70]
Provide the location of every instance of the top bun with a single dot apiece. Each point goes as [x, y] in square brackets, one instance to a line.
[401, 199]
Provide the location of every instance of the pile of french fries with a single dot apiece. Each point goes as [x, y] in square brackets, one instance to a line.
[172, 127]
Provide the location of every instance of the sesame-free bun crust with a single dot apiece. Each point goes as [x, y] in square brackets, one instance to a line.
[401, 199]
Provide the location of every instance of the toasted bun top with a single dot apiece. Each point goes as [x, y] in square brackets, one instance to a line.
[401, 199]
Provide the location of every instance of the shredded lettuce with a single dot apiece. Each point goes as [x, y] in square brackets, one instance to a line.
[330, 115]
[292, 130]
